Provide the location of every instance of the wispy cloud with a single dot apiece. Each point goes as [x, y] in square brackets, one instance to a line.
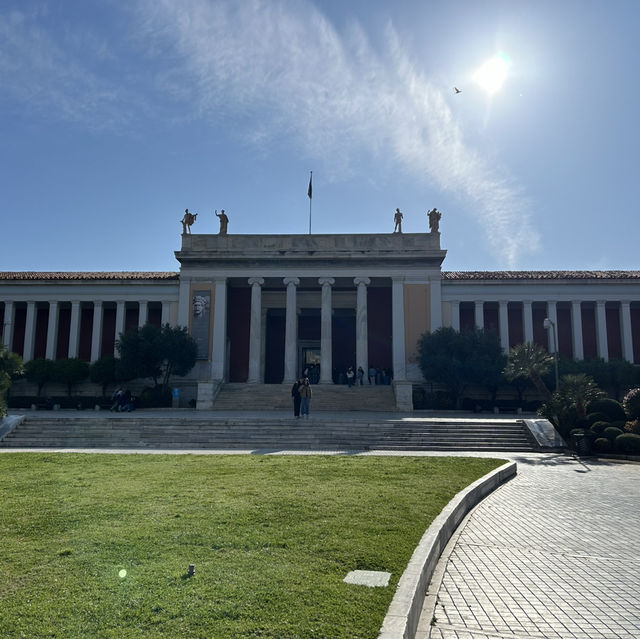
[287, 68]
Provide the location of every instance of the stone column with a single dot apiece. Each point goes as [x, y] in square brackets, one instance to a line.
[627, 336]
[219, 347]
[504, 325]
[255, 330]
[7, 329]
[96, 334]
[74, 329]
[397, 329]
[29, 332]
[479, 312]
[455, 316]
[435, 294]
[326, 344]
[52, 331]
[121, 311]
[164, 313]
[362, 340]
[143, 313]
[552, 314]
[184, 303]
[576, 329]
[291, 332]
[527, 318]
[601, 324]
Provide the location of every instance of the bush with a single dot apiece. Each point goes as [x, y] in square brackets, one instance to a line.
[619, 424]
[154, 397]
[598, 427]
[602, 444]
[612, 409]
[631, 403]
[628, 443]
[611, 432]
[440, 400]
[592, 418]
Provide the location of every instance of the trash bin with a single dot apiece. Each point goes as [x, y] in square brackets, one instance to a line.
[175, 398]
[581, 444]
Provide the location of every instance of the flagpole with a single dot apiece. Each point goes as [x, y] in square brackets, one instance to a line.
[310, 194]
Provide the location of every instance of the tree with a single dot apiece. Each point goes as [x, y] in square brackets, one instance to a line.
[11, 367]
[39, 371]
[530, 361]
[458, 359]
[157, 353]
[70, 371]
[104, 372]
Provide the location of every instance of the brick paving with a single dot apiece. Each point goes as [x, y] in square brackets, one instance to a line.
[555, 553]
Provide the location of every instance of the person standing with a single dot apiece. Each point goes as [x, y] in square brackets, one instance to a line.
[360, 373]
[350, 376]
[372, 375]
[305, 396]
[295, 393]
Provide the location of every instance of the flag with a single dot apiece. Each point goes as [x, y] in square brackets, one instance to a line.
[310, 190]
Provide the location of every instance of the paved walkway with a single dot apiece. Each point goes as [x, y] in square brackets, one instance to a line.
[555, 553]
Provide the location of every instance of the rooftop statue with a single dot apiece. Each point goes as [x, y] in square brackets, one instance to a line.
[224, 221]
[397, 218]
[187, 220]
[434, 220]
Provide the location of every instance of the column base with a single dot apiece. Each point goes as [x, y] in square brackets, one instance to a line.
[207, 393]
[404, 395]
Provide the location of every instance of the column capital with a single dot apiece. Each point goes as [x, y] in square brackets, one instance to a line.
[291, 280]
[398, 278]
[576, 302]
[256, 281]
[362, 280]
[326, 281]
[625, 303]
[601, 302]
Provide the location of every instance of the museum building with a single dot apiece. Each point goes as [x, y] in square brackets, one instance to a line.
[264, 308]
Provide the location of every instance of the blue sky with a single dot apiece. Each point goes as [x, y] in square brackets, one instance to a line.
[116, 116]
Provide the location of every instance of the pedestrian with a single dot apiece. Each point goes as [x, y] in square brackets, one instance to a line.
[305, 396]
[295, 393]
[125, 401]
[360, 372]
[372, 374]
[350, 376]
[115, 398]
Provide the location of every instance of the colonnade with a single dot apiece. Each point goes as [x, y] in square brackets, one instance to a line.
[621, 329]
[33, 328]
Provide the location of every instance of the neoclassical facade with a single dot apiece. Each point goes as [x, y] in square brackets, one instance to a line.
[263, 308]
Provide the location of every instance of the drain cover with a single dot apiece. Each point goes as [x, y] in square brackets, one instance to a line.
[371, 578]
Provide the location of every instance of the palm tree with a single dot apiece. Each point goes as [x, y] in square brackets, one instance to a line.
[529, 361]
[578, 391]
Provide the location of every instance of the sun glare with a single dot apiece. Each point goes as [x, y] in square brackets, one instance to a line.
[493, 73]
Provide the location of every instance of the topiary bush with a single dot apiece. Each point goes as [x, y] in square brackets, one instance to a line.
[611, 432]
[619, 424]
[598, 427]
[612, 409]
[602, 444]
[628, 443]
[592, 418]
[631, 403]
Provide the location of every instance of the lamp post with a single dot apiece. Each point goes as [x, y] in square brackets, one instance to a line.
[548, 324]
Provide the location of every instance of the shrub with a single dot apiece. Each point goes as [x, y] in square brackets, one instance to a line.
[592, 418]
[631, 403]
[602, 444]
[598, 427]
[611, 432]
[154, 397]
[628, 443]
[633, 427]
[619, 424]
[612, 409]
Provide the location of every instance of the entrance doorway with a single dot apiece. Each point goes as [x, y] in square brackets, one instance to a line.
[309, 361]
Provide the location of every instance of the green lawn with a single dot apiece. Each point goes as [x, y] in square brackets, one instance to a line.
[272, 538]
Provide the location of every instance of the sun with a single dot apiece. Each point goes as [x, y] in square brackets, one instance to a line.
[493, 73]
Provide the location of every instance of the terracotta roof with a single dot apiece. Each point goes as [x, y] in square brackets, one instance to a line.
[541, 275]
[94, 276]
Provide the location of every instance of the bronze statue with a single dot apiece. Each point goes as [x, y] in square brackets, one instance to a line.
[187, 220]
[397, 218]
[224, 221]
[434, 220]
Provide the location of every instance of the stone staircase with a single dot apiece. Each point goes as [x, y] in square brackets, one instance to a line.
[318, 433]
[330, 397]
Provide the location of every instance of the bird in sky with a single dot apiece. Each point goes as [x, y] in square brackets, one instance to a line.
[456, 90]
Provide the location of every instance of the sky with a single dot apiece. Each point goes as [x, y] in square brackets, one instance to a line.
[117, 116]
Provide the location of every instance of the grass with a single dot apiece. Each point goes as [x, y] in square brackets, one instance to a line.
[272, 538]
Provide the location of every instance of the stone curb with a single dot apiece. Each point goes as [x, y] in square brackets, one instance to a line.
[401, 621]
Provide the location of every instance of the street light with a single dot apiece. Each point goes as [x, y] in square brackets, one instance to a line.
[548, 324]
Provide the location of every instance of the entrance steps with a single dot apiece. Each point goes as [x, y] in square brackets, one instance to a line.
[325, 397]
[271, 433]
